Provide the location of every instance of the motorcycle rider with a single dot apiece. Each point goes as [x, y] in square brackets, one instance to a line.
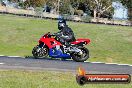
[65, 34]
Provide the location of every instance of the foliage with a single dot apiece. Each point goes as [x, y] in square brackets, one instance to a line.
[86, 18]
[127, 3]
[79, 12]
[74, 6]
[39, 11]
[35, 3]
[64, 7]
[88, 6]
[21, 4]
[72, 10]
[68, 17]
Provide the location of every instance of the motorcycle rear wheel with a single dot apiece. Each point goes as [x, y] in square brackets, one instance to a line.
[39, 53]
[78, 58]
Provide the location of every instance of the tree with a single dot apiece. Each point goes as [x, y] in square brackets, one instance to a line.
[60, 6]
[98, 7]
[128, 5]
[64, 7]
[35, 3]
[54, 4]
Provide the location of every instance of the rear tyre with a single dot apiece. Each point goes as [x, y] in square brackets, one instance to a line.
[39, 53]
[81, 58]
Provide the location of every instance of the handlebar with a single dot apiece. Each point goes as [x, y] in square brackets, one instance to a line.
[54, 34]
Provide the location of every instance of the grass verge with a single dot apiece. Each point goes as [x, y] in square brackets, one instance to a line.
[48, 79]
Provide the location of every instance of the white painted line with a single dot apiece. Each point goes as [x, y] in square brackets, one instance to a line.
[122, 64]
[86, 61]
[1, 55]
[9, 56]
[111, 63]
[2, 63]
[129, 65]
[97, 62]
[13, 56]
[125, 65]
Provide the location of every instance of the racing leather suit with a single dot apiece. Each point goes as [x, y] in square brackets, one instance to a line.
[65, 35]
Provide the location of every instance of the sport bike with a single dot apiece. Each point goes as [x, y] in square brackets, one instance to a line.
[50, 46]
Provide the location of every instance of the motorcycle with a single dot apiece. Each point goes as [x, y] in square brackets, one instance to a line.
[50, 46]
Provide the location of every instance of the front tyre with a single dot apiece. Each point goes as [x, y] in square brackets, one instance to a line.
[40, 52]
[81, 58]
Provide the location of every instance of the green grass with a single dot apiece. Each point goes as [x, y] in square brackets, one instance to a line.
[111, 44]
[50, 79]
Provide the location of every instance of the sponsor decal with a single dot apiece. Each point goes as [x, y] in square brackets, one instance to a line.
[83, 78]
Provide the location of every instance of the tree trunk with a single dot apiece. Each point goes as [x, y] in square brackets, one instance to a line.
[95, 14]
[130, 15]
[98, 17]
[58, 7]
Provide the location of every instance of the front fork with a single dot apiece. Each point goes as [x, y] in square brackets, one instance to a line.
[40, 46]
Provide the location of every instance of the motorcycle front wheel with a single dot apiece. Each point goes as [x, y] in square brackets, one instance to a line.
[39, 53]
[81, 58]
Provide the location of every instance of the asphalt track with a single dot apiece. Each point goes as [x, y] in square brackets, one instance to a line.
[58, 65]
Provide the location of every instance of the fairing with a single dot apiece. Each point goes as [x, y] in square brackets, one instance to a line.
[58, 54]
[50, 42]
[81, 40]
